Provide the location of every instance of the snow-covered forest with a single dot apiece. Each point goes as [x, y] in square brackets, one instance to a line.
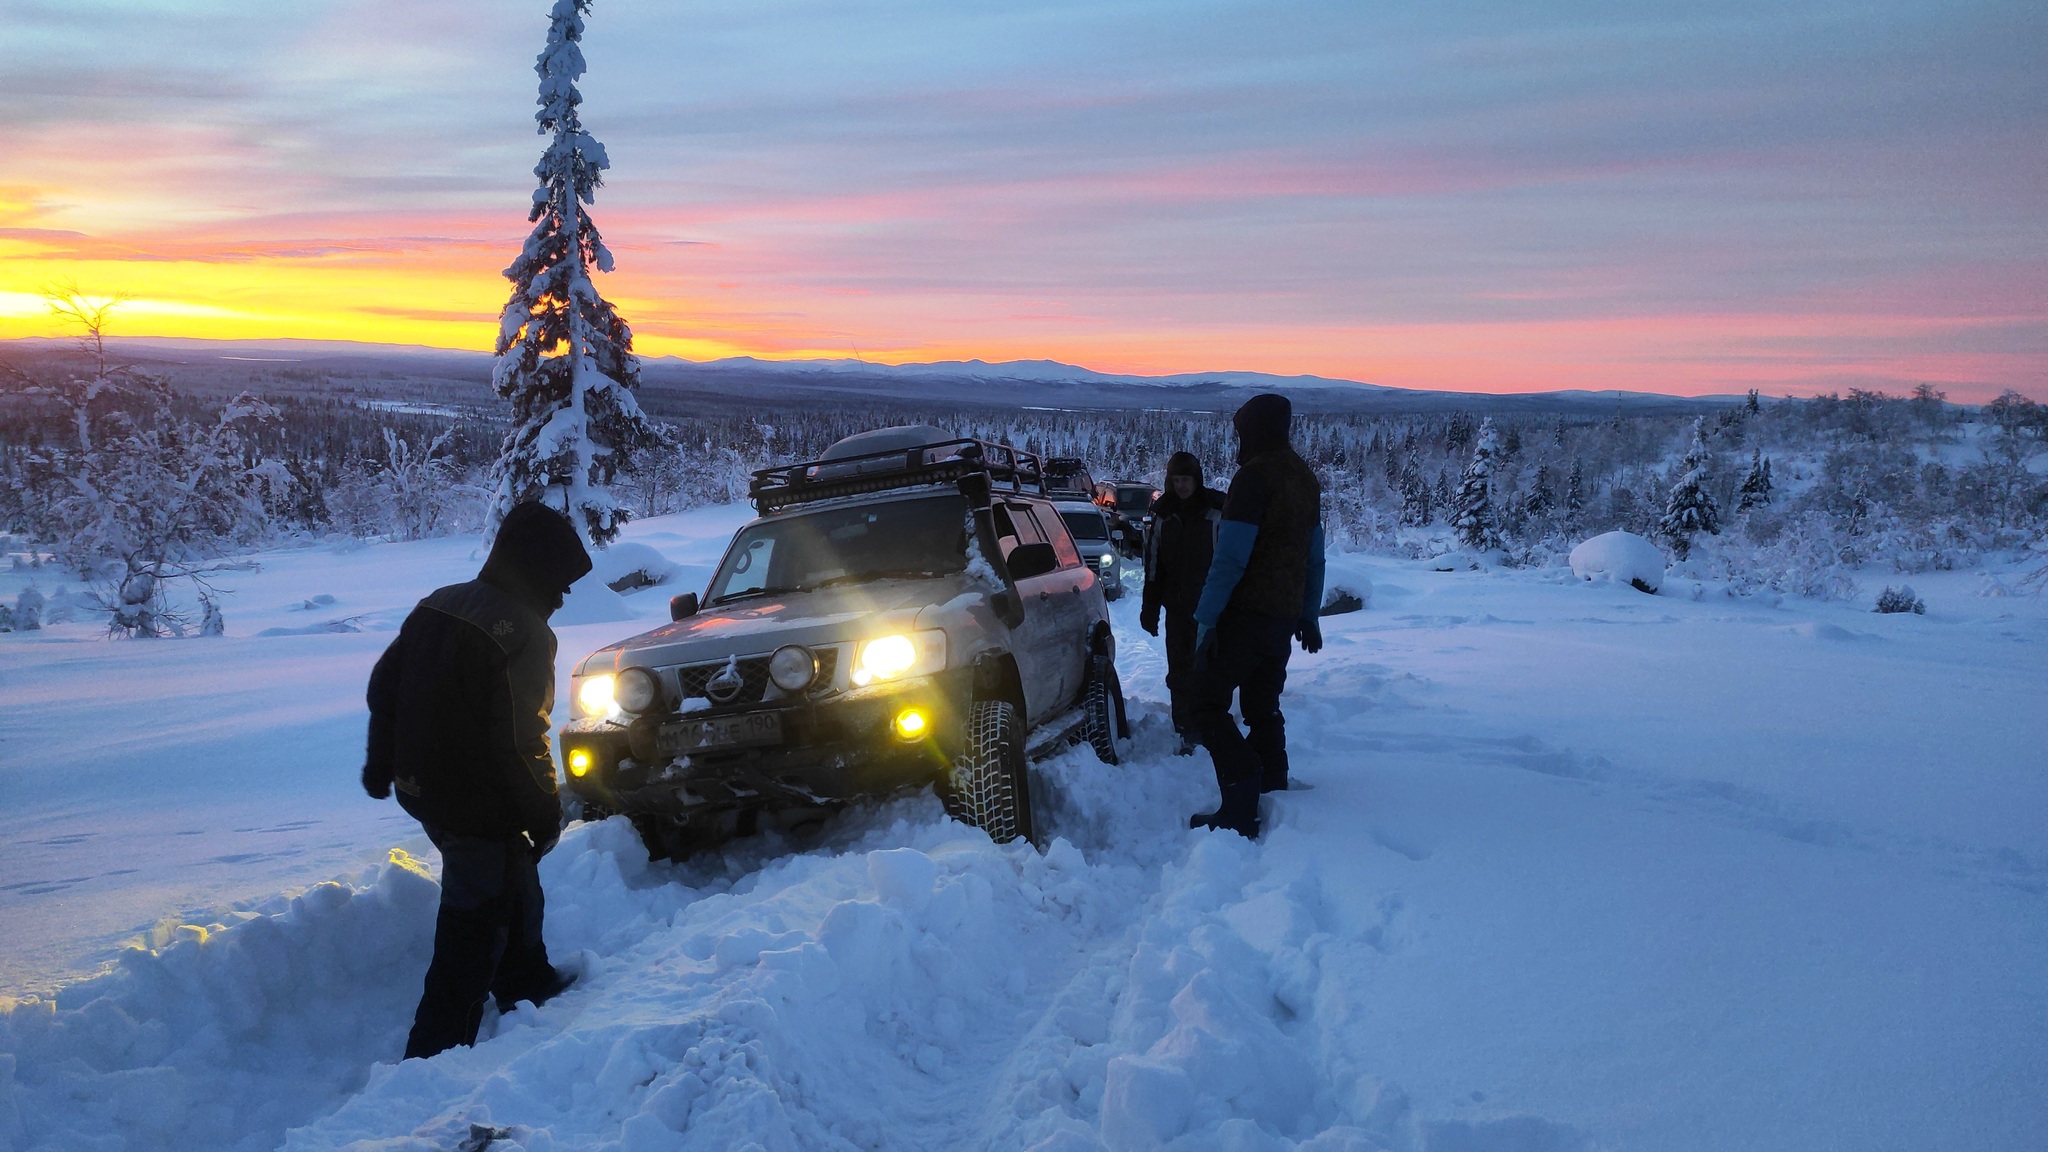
[137, 490]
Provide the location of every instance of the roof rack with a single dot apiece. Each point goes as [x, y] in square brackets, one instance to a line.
[773, 489]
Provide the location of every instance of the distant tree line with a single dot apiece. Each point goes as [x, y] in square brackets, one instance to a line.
[128, 483]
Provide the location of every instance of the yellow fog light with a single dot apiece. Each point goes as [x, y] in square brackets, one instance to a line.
[579, 762]
[911, 723]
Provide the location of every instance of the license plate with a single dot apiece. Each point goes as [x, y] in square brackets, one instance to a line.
[750, 730]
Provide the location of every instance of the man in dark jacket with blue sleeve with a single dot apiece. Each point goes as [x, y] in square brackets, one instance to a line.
[1265, 587]
[459, 721]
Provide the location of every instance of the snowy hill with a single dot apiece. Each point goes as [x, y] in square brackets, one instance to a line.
[400, 371]
[1577, 867]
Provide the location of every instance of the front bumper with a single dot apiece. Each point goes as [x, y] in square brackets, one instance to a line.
[838, 748]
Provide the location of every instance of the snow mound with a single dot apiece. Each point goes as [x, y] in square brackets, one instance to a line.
[590, 601]
[214, 1039]
[1622, 557]
[624, 567]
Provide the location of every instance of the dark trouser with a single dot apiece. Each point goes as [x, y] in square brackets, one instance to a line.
[1246, 657]
[1180, 668]
[487, 939]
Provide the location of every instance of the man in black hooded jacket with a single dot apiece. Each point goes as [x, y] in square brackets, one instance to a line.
[459, 720]
[1177, 552]
[1265, 586]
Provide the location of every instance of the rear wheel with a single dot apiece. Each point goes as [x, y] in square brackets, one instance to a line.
[988, 788]
[1104, 708]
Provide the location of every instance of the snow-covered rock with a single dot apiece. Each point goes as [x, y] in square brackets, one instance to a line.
[625, 566]
[591, 601]
[1622, 557]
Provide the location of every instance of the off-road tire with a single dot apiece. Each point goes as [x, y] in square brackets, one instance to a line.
[1104, 708]
[989, 788]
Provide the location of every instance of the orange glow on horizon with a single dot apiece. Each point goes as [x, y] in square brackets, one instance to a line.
[446, 291]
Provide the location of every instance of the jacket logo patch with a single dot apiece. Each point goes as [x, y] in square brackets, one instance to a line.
[502, 629]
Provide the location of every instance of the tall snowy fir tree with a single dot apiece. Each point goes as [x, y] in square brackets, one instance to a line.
[565, 358]
[1690, 509]
[1472, 511]
[1756, 485]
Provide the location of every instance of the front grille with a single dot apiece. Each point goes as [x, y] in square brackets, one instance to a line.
[753, 671]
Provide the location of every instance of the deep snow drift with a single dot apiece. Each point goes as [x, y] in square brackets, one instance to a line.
[1579, 868]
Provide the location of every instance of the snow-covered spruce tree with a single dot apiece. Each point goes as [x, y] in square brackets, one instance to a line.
[565, 358]
[1472, 511]
[1756, 485]
[1690, 509]
[1575, 493]
[1416, 506]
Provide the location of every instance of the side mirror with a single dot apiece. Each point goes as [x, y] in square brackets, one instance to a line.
[682, 607]
[1028, 560]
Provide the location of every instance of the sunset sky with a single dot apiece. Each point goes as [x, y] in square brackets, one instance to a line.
[1787, 195]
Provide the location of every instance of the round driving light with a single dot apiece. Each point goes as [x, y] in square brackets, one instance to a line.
[595, 696]
[579, 762]
[636, 690]
[792, 668]
[911, 723]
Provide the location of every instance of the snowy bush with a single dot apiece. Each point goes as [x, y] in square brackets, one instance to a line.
[1621, 557]
[1900, 599]
[28, 610]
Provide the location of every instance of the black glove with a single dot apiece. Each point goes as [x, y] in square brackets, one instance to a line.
[377, 782]
[1310, 633]
[1148, 619]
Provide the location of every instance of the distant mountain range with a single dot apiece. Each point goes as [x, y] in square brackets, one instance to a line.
[967, 383]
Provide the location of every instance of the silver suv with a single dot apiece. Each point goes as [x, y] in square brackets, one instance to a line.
[908, 610]
[1089, 525]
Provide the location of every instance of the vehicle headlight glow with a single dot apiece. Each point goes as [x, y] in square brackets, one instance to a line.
[792, 668]
[636, 690]
[888, 657]
[1107, 560]
[596, 696]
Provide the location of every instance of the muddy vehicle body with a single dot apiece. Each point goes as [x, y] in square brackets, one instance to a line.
[908, 610]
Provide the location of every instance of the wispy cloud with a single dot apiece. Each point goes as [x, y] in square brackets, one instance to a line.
[1467, 194]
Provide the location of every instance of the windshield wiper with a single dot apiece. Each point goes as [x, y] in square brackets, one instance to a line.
[774, 591]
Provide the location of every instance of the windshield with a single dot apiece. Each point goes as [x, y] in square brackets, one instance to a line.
[908, 539]
[1129, 499]
[1086, 525]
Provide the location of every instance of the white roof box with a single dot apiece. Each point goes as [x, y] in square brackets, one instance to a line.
[887, 440]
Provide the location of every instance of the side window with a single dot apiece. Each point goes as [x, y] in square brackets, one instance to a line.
[1062, 541]
[1015, 525]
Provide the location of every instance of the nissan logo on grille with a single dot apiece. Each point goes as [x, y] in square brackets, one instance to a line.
[725, 685]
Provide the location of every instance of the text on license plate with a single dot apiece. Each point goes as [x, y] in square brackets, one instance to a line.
[754, 728]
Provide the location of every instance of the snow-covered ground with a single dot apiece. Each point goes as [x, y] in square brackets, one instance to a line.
[1576, 867]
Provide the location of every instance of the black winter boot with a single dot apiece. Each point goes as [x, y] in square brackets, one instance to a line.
[1238, 813]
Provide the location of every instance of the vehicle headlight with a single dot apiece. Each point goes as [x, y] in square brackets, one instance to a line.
[635, 690]
[903, 654]
[597, 695]
[1107, 560]
[792, 668]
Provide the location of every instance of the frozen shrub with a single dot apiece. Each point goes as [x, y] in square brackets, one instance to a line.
[1900, 599]
[28, 610]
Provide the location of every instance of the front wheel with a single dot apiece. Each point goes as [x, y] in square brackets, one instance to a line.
[988, 788]
[1104, 709]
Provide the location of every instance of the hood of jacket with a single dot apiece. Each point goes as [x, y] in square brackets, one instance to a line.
[537, 555]
[1263, 424]
[1168, 504]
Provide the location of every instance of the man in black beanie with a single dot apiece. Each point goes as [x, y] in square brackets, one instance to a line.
[1265, 586]
[1177, 552]
[459, 722]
